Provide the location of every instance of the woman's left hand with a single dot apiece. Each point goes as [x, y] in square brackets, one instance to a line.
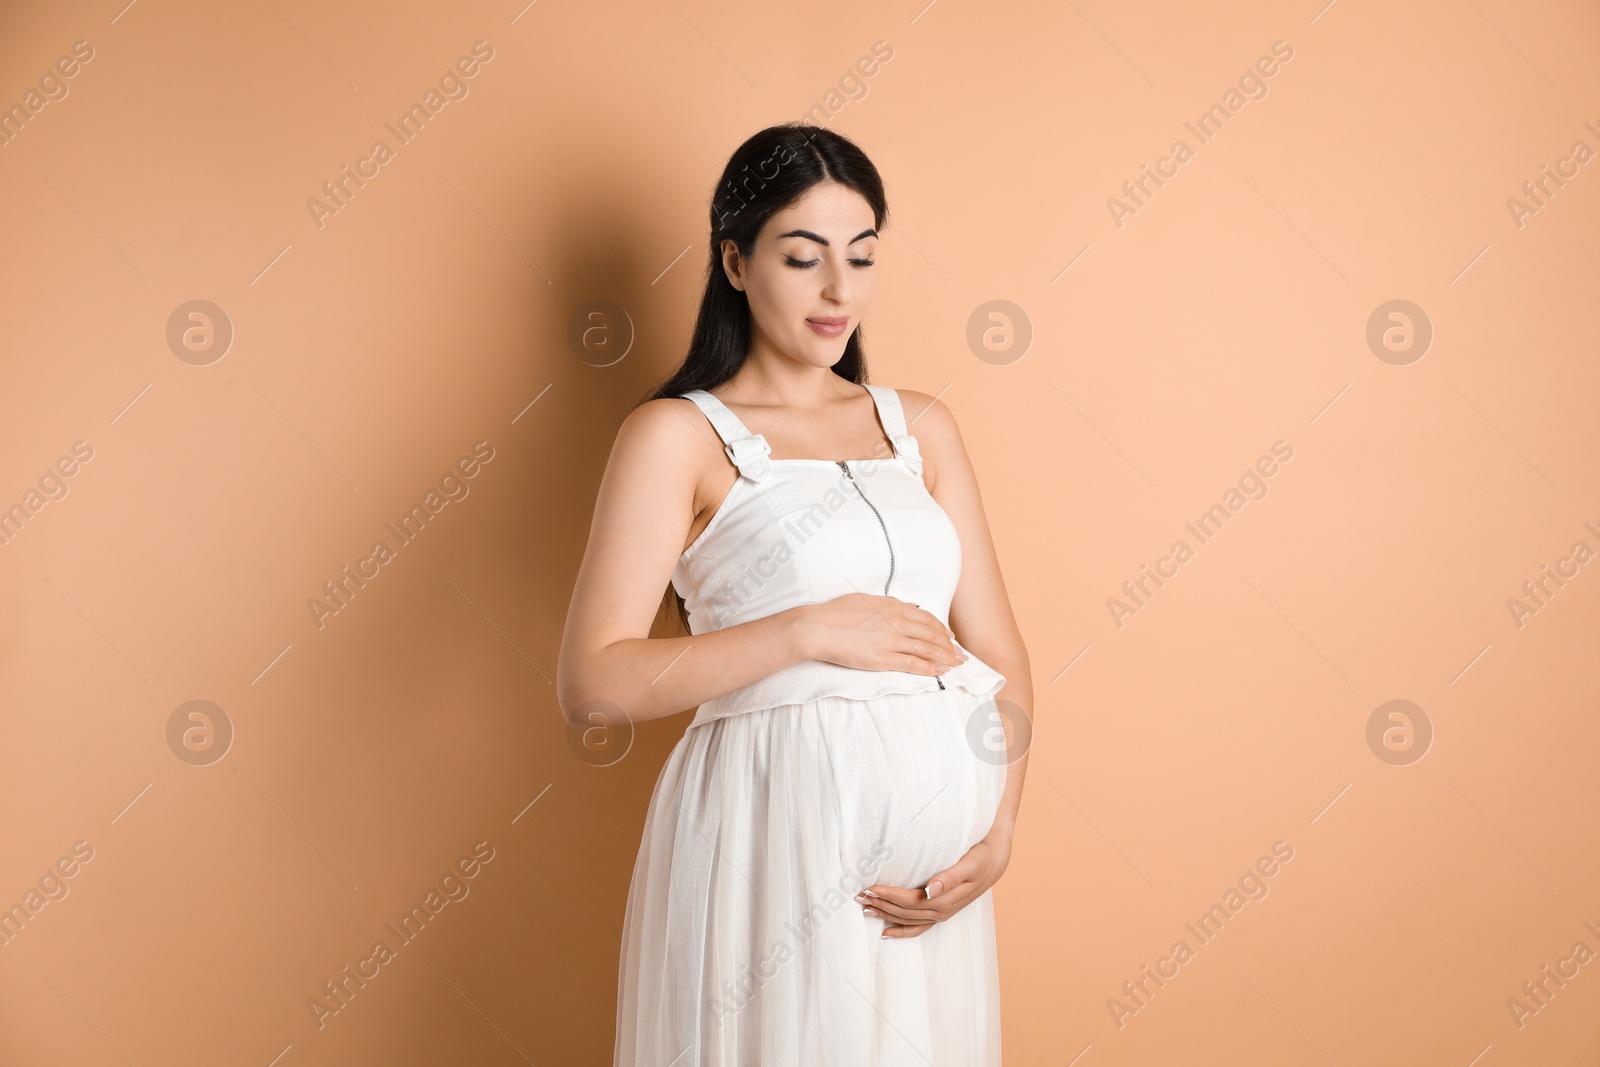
[911, 912]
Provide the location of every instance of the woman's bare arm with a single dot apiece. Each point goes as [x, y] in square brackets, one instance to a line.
[642, 517]
[980, 613]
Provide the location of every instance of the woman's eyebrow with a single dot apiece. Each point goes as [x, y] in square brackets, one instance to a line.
[808, 235]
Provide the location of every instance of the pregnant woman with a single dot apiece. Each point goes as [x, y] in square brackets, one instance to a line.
[812, 888]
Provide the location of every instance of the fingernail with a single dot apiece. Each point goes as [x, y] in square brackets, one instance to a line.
[869, 892]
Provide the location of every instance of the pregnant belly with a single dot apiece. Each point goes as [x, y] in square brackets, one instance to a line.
[913, 793]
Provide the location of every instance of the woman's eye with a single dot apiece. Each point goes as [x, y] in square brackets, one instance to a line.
[813, 262]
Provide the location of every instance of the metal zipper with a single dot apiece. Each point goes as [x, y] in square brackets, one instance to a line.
[882, 525]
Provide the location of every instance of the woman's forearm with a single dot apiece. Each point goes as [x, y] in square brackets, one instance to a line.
[651, 678]
[1015, 698]
[1005, 819]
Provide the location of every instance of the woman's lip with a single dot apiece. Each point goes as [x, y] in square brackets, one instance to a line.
[829, 321]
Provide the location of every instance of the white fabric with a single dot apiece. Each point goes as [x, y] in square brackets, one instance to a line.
[742, 945]
[799, 531]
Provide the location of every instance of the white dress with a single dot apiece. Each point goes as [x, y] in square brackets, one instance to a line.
[742, 945]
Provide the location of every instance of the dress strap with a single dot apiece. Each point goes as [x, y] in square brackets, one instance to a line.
[747, 451]
[893, 417]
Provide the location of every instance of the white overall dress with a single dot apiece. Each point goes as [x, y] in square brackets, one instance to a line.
[742, 944]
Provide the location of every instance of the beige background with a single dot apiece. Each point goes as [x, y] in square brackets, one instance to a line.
[1168, 354]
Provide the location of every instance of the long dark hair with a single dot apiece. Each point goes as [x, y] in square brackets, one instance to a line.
[769, 171]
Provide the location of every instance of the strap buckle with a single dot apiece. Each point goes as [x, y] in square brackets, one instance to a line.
[750, 454]
[906, 445]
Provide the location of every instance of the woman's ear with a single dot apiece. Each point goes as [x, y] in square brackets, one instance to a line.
[733, 263]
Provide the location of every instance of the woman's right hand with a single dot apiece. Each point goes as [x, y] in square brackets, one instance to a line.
[877, 633]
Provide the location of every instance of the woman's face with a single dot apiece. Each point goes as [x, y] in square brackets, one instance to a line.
[810, 277]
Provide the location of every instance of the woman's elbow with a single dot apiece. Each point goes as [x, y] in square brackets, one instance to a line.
[573, 693]
[569, 711]
[584, 693]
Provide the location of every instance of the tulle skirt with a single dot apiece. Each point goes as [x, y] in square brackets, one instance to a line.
[742, 945]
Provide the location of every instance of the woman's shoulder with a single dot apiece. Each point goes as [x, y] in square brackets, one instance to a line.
[924, 414]
[933, 424]
[659, 416]
[669, 430]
